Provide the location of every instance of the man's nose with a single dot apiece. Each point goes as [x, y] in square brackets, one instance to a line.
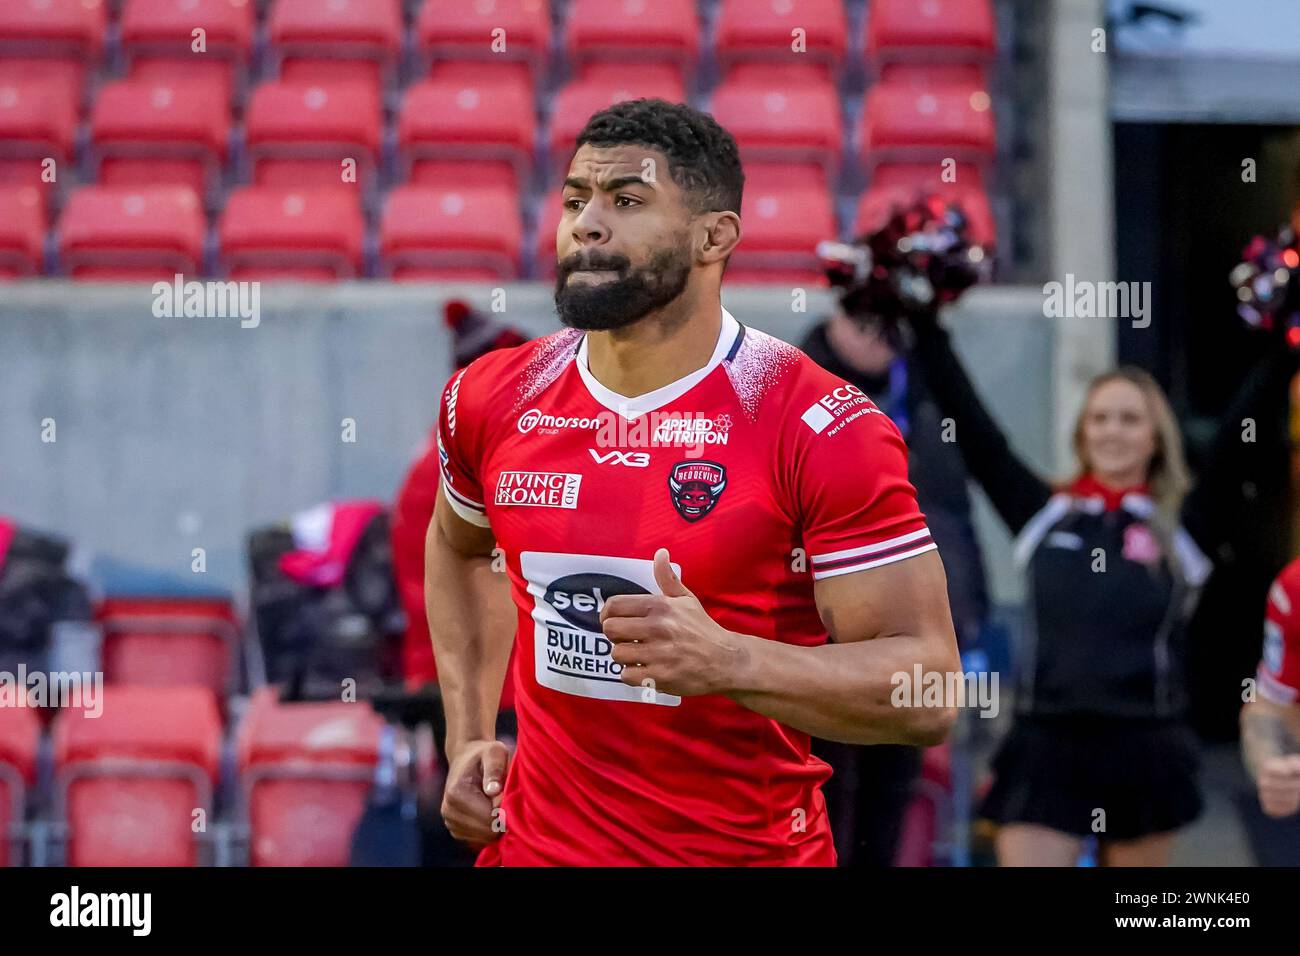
[588, 226]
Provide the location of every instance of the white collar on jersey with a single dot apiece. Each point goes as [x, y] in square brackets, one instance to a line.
[640, 404]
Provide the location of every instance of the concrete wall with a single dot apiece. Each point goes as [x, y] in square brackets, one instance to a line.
[173, 434]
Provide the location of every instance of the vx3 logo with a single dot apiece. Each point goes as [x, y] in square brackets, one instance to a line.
[633, 459]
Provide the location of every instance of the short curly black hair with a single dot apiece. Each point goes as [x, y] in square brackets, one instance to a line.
[702, 156]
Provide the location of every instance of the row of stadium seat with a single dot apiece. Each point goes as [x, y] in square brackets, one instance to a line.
[364, 39]
[462, 157]
[285, 785]
[298, 133]
[140, 783]
[463, 153]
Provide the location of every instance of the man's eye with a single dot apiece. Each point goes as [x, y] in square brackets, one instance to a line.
[632, 200]
[573, 203]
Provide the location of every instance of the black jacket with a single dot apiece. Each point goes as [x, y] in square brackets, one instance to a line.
[936, 470]
[1106, 604]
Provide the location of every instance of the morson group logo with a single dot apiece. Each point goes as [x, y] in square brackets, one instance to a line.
[695, 487]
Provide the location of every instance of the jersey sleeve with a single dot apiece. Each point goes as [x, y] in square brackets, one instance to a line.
[1278, 675]
[460, 448]
[856, 508]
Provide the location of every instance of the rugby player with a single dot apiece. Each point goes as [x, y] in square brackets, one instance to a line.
[711, 542]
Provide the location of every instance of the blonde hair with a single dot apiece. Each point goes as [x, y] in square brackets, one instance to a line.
[1167, 474]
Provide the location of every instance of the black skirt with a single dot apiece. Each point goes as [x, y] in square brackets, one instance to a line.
[1060, 771]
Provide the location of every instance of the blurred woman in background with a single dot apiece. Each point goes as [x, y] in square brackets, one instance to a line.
[1114, 559]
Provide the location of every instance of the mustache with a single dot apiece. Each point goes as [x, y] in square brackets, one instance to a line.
[580, 262]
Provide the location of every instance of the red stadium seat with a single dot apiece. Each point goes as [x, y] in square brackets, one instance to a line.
[902, 123]
[929, 75]
[633, 31]
[764, 30]
[130, 779]
[549, 212]
[146, 133]
[782, 226]
[73, 28]
[22, 231]
[456, 30]
[274, 233]
[300, 134]
[776, 175]
[38, 123]
[577, 101]
[158, 40]
[901, 184]
[780, 75]
[20, 734]
[774, 122]
[482, 118]
[68, 32]
[67, 75]
[930, 31]
[132, 233]
[305, 773]
[435, 233]
[168, 642]
[343, 39]
[451, 173]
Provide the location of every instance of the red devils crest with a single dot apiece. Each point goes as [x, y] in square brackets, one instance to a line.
[695, 487]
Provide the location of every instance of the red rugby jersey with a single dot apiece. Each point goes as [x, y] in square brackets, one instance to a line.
[1278, 676]
[760, 472]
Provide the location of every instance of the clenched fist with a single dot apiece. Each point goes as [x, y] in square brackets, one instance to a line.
[472, 798]
[1279, 785]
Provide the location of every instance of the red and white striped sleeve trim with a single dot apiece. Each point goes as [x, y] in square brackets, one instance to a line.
[872, 555]
[471, 511]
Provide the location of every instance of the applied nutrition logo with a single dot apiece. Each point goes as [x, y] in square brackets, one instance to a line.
[538, 489]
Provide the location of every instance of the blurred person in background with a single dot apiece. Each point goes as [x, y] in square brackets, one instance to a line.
[1270, 724]
[1114, 559]
[872, 786]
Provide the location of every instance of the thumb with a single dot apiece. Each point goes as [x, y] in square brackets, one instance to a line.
[667, 578]
[494, 761]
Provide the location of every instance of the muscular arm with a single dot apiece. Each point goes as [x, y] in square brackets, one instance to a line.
[471, 623]
[882, 622]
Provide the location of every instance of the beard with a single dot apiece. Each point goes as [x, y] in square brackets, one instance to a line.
[619, 302]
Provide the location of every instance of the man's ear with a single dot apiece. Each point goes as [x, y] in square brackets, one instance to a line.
[721, 236]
